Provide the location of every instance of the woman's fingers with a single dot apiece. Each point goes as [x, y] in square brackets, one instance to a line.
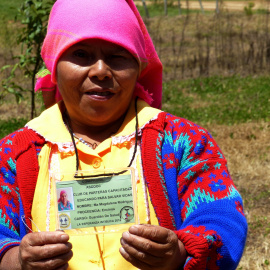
[148, 247]
[44, 238]
[144, 245]
[43, 245]
[134, 261]
[51, 263]
[45, 250]
[152, 232]
[37, 253]
[143, 255]
[154, 240]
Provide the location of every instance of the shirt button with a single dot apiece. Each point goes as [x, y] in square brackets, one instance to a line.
[96, 163]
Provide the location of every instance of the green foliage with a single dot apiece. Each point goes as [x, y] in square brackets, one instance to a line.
[8, 126]
[33, 16]
[220, 100]
[249, 9]
[10, 86]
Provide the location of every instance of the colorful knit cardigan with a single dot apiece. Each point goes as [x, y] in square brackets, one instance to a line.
[187, 178]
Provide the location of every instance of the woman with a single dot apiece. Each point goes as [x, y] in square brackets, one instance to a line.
[103, 62]
[63, 202]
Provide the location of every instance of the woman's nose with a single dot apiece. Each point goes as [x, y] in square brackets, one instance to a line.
[100, 70]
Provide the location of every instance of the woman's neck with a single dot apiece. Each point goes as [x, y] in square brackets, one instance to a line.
[95, 134]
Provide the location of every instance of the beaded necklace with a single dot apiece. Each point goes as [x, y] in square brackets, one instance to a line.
[91, 145]
[76, 150]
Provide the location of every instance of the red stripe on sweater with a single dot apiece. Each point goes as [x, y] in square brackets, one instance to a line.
[27, 168]
[150, 148]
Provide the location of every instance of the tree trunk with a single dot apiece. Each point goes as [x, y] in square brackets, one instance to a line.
[165, 7]
[201, 5]
[179, 6]
[36, 68]
[217, 9]
[145, 8]
[187, 3]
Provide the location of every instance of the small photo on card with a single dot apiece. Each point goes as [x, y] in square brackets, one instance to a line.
[65, 199]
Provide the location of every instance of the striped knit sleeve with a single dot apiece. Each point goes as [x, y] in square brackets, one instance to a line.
[207, 207]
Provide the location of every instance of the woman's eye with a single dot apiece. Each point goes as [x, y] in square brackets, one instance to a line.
[117, 56]
[80, 53]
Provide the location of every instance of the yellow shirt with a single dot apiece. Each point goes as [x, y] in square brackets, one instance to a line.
[100, 251]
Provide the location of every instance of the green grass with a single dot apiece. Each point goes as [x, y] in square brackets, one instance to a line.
[7, 127]
[220, 100]
[158, 10]
[8, 8]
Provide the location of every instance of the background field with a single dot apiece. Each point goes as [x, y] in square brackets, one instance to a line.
[216, 73]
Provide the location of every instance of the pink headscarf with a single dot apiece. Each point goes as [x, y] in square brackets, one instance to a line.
[116, 21]
[61, 193]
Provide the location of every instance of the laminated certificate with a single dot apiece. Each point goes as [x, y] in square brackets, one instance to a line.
[96, 201]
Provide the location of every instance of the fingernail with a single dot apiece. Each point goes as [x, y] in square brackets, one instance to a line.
[122, 251]
[126, 235]
[64, 237]
[133, 230]
[122, 241]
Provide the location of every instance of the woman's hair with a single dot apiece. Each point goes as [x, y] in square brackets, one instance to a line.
[116, 21]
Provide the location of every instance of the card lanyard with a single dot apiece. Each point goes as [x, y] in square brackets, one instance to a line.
[76, 150]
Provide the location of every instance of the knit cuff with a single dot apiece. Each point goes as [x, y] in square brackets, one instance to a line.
[6, 244]
[197, 248]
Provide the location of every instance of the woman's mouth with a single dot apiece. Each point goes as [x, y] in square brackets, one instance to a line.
[100, 95]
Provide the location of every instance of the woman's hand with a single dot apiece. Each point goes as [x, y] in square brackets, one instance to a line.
[40, 250]
[45, 250]
[152, 247]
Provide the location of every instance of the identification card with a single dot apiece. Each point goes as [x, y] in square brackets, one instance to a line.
[96, 201]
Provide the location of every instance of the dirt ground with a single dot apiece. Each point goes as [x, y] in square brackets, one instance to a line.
[247, 149]
[229, 5]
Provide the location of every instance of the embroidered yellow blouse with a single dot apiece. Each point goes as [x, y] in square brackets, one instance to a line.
[100, 251]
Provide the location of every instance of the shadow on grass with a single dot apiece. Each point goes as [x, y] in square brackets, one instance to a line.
[8, 126]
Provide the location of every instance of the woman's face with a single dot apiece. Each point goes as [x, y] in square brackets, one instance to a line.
[63, 198]
[96, 79]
